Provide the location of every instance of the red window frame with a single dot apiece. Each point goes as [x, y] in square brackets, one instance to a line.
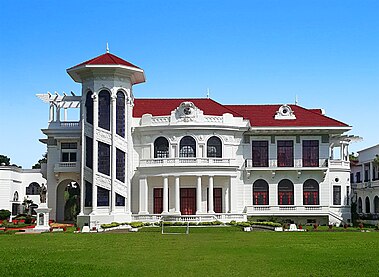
[285, 153]
[311, 153]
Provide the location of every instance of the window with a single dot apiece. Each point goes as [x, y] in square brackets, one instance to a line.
[120, 200]
[68, 151]
[104, 110]
[367, 205]
[69, 145]
[310, 153]
[260, 192]
[358, 177]
[360, 205]
[89, 108]
[311, 192]
[104, 158]
[68, 157]
[88, 194]
[376, 205]
[351, 178]
[285, 192]
[187, 147]
[347, 195]
[161, 148]
[158, 200]
[285, 153]
[120, 165]
[260, 153]
[336, 195]
[217, 200]
[33, 189]
[89, 152]
[102, 197]
[120, 114]
[214, 147]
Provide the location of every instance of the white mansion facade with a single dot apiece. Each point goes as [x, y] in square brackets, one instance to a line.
[138, 159]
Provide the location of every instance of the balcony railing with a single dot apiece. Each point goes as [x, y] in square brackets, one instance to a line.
[273, 164]
[285, 210]
[64, 125]
[66, 167]
[186, 162]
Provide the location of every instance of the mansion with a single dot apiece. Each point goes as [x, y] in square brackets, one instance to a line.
[138, 159]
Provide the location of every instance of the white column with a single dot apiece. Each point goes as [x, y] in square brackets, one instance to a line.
[128, 155]
[363, 174]
[51, 114]
[94, 153]
[165, 194]
[370, 175]
[113, 153]
[64, 114]
[226, 200]
[58, 114]
[177, 195]
[210, 195]
[143, 195]
[198, 195]
[231, 210]
[83, 161]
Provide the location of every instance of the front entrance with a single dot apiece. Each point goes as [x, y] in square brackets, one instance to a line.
[68, 201]
[188, 201]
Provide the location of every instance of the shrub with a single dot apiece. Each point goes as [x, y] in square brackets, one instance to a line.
[233, 222]
[266, 223]
[217, 222]
[4, 214]
[28, 219]
[136, 224]
[243, 224]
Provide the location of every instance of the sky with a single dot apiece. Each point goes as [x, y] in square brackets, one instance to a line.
[245, 52]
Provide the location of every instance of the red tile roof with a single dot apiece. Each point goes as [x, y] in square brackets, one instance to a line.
[264, 116]
[106, 59]
[259, 115]
[160, 107]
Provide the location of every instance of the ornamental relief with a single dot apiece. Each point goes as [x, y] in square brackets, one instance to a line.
[102, 181]
[121, 143]
[103, 136]
[120, 188]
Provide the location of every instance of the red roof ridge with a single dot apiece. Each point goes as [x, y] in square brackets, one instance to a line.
[103, 60]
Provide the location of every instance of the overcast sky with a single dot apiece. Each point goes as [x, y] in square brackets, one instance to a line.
[245, 52]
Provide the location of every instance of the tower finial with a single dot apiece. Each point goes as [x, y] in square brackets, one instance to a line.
[107, 48]
[296, 100]
[208, 93]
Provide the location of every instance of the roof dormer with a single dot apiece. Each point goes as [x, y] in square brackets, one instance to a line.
[285, 113]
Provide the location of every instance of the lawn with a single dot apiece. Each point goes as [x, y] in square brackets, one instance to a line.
[204, 252]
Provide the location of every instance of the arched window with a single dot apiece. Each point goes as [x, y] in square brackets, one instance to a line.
[161, 148]
[15, 196]
[367, 204]
[214, 147]
[104, 110]
[120, 114]
[33, 189]
[89, 108]
[376, 205]
[187, 147]
[360, 205]
[285, 192]
[311, 192]
[260, 192]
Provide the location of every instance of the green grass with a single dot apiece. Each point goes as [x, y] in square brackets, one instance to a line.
[204, 252]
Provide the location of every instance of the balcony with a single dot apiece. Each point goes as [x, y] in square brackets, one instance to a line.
[67, 167]
[194, 162]
[64, 125]
[339, 165]
[365, 185]
[287, 210]
[298, 165]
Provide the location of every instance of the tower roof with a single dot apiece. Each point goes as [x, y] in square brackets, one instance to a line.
[108, 61]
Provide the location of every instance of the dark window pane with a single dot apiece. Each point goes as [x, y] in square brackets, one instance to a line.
[260, 192]
[120, 200]
[161, 148]
[65, 157]
[33, 189]
[311, 153]
[102, 197]
[120, 165]
[367, 202]
[104, 160]
[104, 110]
[187, 147]
[336, 195]
[285, 192]
[89, 152]
[285, 153]
[89, 108]
[214, 147]
[88, 194]
[311, 192]
[120, 114]
[260, 153]
[158, 200]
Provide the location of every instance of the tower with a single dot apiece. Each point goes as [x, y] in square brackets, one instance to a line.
[106, 115]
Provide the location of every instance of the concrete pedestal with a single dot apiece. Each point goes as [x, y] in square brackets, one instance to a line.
[42, 218]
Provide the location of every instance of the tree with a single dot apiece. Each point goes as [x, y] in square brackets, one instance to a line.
[40, 161]
[4, 160]
[26, 203]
